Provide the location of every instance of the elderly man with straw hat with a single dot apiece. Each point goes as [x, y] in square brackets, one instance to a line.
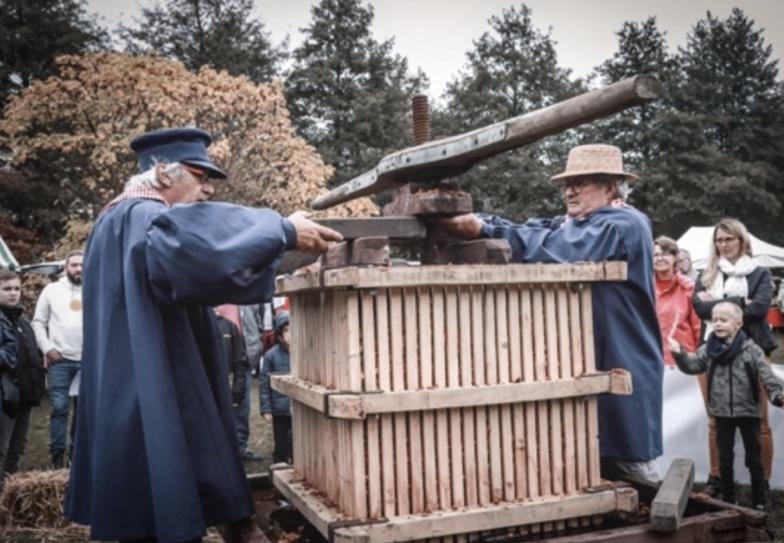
[598, 226]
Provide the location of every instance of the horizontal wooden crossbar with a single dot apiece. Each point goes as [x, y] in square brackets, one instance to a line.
[446, 523]
[473, 274]
[357, 405]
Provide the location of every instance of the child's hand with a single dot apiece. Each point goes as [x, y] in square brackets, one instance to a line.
[675, 347]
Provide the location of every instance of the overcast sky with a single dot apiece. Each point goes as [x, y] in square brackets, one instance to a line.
[435, 34]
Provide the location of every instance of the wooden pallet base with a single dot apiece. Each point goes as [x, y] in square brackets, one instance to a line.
[336, 527]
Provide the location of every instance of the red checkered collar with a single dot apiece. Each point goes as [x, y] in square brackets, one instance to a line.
[137, 192]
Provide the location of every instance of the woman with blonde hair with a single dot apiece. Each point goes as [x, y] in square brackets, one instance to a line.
[732, 275]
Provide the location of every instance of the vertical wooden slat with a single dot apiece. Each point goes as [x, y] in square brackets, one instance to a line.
[502, 353]
[453, 381]
[565, 363]
[529, 375]
[442, 419]
[480, 413]
[356, 428]
[494, 430]
[385, 421]
[329, 366]
[553, 373]
[594, 476]
[403, 497]
[428, 417]
[415, 418]
[543, 419]
[370, 369]
[516, 376]
[578, 368]
[466, 380]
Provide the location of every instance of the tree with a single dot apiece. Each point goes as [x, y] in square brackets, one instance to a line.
[349, 94]
[221, 34]
[74, 131]
[33, 33]
[512, 69]
[729, 80]
[642, 48]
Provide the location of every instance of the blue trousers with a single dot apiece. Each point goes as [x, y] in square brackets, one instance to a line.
[59, 376]
[242, 415]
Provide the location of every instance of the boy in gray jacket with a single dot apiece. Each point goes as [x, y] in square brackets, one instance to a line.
[735, 365]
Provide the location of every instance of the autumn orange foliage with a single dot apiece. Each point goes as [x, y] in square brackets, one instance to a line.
[78, 126]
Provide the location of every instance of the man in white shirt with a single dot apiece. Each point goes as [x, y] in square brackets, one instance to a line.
[58, 330]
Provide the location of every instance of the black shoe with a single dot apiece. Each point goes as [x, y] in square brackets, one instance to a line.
[250, 456]
[58, 460]
[713, 487]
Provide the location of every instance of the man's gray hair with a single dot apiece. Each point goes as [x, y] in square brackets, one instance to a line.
[149, 180]
[622, 189]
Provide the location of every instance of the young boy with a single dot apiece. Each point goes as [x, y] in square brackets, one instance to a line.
[24, 369]
[274, 405]
[735, 365]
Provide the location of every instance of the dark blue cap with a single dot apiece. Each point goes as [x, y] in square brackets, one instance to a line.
[185, 145]
[281, 320]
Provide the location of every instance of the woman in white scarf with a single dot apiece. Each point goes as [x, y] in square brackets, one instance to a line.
[731, 275]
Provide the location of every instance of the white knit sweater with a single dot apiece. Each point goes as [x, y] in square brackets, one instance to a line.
[58, 319]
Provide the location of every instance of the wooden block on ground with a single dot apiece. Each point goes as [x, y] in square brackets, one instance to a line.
[479, 251]
[371, 251]
[670, 501]
[430, 202]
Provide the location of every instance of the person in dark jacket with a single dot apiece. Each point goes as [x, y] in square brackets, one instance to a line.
[275, 406]
[236, 357]
[735, 365]
[155, 455]
[26, 372]
[732, 275]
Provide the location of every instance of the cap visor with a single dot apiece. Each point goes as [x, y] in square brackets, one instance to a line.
[212, 171]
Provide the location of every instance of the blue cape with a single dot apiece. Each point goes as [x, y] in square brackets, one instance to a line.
[156, 450]
[626, 330]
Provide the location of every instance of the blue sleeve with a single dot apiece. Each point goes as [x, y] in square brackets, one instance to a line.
[8, 346]
[213, 253]
[553, 241]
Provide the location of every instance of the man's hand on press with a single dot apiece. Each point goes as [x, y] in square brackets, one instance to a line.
[312, 237]
[465, 227]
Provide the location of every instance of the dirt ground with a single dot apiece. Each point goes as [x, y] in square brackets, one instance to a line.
[37, 455]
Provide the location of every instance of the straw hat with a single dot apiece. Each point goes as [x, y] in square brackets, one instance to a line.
[592, 160]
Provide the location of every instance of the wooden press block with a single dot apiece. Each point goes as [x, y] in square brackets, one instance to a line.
[670, 501]
[358, 252]
[479, 251]
[430, 202]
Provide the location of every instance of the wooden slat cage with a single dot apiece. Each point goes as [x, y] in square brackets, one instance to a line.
[445, 400]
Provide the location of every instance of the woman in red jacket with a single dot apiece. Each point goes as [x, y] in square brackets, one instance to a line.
[674, 291]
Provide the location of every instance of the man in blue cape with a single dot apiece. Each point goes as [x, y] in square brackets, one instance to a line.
[156, 455]
[598, 225]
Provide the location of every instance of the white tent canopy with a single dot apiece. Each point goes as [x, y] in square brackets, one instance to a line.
[697, 240]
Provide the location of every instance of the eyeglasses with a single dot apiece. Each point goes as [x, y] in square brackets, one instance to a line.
[200, 175]
[577, 185]
[724, 241]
